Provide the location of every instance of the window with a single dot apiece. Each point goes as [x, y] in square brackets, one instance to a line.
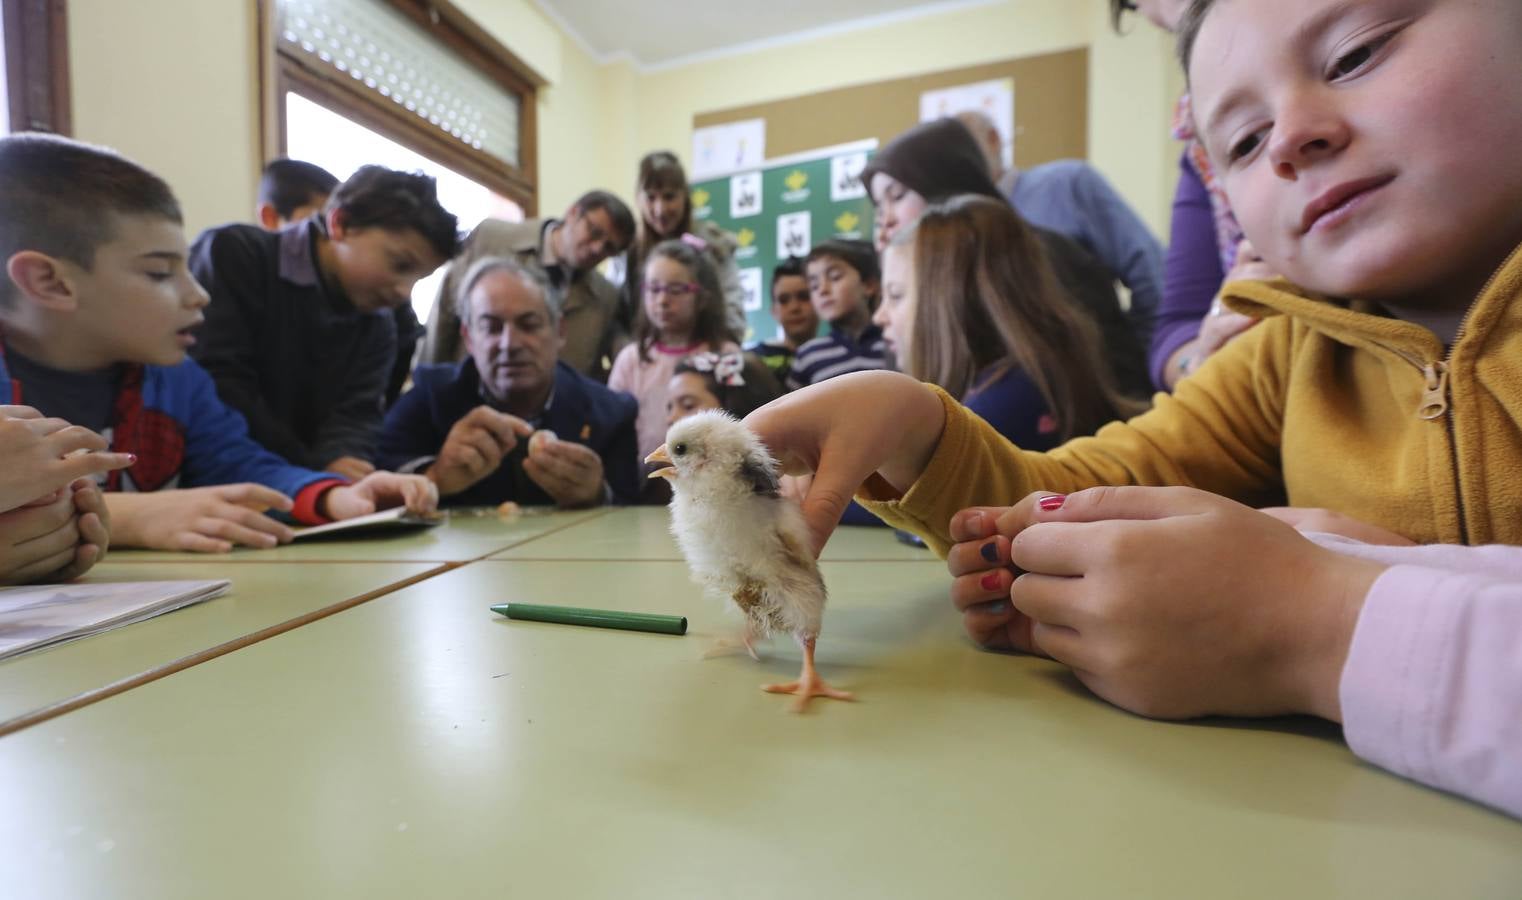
[417, 72]
[319, 135]
[35, 73]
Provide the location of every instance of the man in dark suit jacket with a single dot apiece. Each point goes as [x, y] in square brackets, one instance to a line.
[568, 250]
[511, 421]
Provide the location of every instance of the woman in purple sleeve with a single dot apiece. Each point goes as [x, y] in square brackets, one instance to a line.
[1205, 244]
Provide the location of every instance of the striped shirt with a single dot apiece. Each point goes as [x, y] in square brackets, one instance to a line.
[835, 354]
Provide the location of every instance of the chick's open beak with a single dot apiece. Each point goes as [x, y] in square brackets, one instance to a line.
[660, 456]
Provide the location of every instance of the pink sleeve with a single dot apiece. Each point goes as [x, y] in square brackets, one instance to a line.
[1432, 689]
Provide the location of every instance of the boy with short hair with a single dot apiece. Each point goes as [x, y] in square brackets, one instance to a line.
[290, 190]
[301, 336]
[794, 311]
[843, 282]
[98, 312]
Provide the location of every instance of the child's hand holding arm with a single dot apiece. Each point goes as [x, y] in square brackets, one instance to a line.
[878, 426]
[1172, 602]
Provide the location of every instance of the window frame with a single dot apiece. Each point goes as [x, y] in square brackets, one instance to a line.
[37, 65]
[281, 72]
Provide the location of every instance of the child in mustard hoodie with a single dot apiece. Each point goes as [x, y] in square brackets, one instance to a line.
[1369, 149]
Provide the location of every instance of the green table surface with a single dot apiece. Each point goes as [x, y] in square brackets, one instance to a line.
[643, 533]
[418, 745]
[468, 534]
[260, 597]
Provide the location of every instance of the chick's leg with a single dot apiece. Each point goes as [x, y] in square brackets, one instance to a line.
[809, 684]
[726, 646]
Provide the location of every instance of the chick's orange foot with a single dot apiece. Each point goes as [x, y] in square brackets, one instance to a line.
[809, 685]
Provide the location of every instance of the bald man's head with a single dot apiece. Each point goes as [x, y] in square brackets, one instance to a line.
[987, 135]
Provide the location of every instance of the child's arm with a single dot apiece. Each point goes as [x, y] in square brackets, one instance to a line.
[352, 426]
[1175, 603]
[226, 344]
[1220, 432]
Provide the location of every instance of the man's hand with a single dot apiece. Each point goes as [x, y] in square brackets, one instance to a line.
[44, 455]
[381, 490]
[475, 447]
[570, 473]
[201, 520]
[350, 467]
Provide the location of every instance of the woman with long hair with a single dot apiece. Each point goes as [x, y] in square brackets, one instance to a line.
[971, 303]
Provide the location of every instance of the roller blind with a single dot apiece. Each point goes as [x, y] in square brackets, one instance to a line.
[387, 54]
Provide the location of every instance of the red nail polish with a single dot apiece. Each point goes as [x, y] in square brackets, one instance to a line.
[132, 458]
[990, 581]
[1053, 503]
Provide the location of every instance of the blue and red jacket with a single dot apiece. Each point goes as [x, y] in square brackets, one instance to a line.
[184, 436]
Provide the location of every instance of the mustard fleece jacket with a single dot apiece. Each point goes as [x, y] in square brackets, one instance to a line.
[1324, 404]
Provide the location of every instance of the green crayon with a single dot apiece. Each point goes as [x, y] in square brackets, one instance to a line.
[597, 618]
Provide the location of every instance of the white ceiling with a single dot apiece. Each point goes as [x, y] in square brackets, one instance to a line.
[666, 33]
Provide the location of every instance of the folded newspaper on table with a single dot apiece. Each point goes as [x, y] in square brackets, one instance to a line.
[35, 617]
[394, 519]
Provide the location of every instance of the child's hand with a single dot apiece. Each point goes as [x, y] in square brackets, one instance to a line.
[981, 574]
[37, 542]
[350, 467]
[848, 430]
[43, 455]
[1172, 602]
[94, 521]
[381, 490]
[1329, 521]
[200, 520]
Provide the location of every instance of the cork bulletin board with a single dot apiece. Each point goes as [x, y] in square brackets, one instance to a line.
[1051, 109]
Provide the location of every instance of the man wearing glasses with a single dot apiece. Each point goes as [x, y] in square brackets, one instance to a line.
[568, 250]
[512, 421]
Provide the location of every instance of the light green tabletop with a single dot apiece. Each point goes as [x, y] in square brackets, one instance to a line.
[468, 534]
[643, 533]
[260, 597]
[421, 746]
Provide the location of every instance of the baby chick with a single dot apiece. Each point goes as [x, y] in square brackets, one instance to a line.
[742, 539]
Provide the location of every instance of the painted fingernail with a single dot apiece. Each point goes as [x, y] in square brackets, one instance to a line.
[990, 551]
[997, 607]
[991, 581]
[132, 458]
[1053, 502]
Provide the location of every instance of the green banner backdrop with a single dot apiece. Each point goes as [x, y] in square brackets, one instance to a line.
[783, 209]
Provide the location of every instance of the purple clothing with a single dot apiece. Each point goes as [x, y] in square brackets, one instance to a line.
[1432, 688]
[1192, 272]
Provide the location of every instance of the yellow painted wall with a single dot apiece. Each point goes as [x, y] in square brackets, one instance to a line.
[173, 83]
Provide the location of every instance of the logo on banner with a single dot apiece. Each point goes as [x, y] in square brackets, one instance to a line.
[747, 241]
[845, 226]
[700, 201]
[797, 183]
[845, 177]
[750, 285]
[793, 234]
[744, 195]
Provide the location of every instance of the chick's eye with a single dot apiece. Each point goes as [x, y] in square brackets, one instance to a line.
[680, 449]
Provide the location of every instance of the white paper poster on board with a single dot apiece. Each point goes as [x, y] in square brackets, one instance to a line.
[750, 284]
[745, 195]
[794, 234]
[721, 149]
[995, 99]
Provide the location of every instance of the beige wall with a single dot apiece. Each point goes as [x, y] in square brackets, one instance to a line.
[173, 83]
